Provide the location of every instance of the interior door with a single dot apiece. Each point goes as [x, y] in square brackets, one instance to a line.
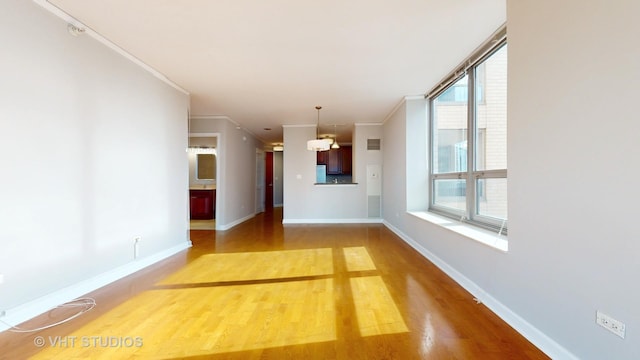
[268, 199]
[260, 180]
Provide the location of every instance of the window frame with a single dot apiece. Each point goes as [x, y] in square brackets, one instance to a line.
[471, 176]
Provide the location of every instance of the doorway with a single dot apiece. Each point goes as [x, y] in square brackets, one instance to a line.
[264, 181]
[260, 181]
[268, 180]
[204, 180]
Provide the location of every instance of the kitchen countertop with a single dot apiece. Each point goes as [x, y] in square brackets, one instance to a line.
[332, 183]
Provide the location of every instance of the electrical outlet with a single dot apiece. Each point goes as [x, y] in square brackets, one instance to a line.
[615, 326]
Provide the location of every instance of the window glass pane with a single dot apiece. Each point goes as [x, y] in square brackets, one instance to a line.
[450, 193]
[458, 92]
[450, 129]
[491, 112]
[491, 198]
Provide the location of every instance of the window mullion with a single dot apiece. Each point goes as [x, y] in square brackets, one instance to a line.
[431, 162]
[490, 174]
[454, 175]
[471, 145]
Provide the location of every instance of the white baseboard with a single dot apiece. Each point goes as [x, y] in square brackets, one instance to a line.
[530, 332]
[43, 304]
[228, 226]
[333, 221]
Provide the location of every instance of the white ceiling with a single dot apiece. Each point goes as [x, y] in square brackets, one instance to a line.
[266, 63]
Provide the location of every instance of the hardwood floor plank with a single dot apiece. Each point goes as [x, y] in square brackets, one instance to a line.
[358, 259]
[266, 291]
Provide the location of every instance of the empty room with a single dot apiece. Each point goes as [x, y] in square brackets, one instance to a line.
[417, 179]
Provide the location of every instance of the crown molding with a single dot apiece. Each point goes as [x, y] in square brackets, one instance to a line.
[368, 124]
[95, 35]
[399, 105]
[212, 117]
[303, 125]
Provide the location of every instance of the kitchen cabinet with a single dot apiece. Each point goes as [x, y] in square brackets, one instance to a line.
[202, 204]
[334, 163]
[322, 157]
[346, 160]
[338, 161]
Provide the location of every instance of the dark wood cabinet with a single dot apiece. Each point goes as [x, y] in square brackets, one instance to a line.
[322, 157]
[334, 164]
[338, 161]
[346, 159]
[202, 204]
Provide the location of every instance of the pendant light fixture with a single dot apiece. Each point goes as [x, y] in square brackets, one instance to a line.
[318, 144]
[335, 140]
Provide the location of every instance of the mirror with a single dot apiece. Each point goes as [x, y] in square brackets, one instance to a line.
[205, 167]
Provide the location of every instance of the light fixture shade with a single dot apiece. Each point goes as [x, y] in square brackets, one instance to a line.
[278, 148]
[201, 150]
[318, 145]
[334, 142]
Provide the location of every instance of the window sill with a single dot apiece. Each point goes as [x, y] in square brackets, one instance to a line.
[469, 231]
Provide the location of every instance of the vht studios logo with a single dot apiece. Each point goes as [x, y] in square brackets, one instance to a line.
[89, 341]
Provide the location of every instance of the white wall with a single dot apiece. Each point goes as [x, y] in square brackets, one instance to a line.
[91, 155]
[339, 203]
[572, 181]
[573, 130]
[236, 180]
[406, 133]
[361, 156]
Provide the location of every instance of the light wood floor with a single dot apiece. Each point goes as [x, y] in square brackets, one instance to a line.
[264, 291]
[202, 224]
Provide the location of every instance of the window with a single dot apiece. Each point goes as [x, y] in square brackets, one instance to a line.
[468, 127]
[459, 91]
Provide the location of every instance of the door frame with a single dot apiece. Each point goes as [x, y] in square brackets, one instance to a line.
[260, 181]
[268, 180]
[219, 206]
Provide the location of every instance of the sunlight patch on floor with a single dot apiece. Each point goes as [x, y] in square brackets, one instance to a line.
[376, 311]
[211, 320]
[249, 266]
[358, 259]
[215, 317]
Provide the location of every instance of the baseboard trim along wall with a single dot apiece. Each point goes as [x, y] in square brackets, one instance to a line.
[530, 332]
[331, 221]
[223, 227]
[43, 304]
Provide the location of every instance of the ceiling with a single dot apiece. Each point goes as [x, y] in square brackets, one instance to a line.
[268, 63]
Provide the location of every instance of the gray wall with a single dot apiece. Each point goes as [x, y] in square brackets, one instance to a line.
[104, 161]
[572, 181]
[305, 202]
